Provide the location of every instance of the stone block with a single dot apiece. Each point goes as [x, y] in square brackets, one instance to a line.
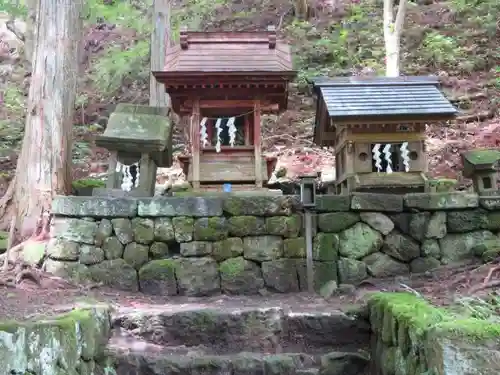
[333, 203]
[325, 247]
[490, 203]
[104, 230]
[294, 247]
[286, 226]
[242, 226]
[262, 248]
[441, 201]
[143, 229]
[136, 254]
[424, 264]
[159, 250]
[183, 228]
[94, 206]
[116, 274]
[197, 277]
[323, 273]
[382, 265]
[260, 205]
[158, 278]
[359, 241]
[180, 206]
[210, 229]
[351, 271]
[401, 247]
[113, 248]
[59, 249]
[229, 248]
[123, 230]
[281, 275]
[335, 222]
[164, 229]
[377, 202]
[378, 221]
[196, 248]
[467, 220]
[90, 255]
[76, 230]
[457, 247]
[74, 271]
[240, 276]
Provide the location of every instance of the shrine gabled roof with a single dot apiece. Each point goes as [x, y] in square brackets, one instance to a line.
[383, 96]
[229, 52]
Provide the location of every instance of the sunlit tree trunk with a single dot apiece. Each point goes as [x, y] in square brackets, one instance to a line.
[301, 9]
[393, 28]
[44, 165]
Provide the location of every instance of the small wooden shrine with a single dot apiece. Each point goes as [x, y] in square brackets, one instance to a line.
[377, 127]
[225, 81]
[482, 166]
[139, 139]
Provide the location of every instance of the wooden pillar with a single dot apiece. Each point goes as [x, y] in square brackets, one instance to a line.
[112, 182]
[195, 143]
[257, 144]
[246, 131]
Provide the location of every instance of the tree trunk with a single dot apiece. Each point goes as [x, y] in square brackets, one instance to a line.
[392, 36]
[29, 36]
[301, 9]
[44, 166]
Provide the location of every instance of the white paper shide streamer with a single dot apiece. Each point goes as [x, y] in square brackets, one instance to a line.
[387, 157]
[376, 157]
[127, 178]
[405, 155]
[218, 127]
[231, 130]
[203, 132]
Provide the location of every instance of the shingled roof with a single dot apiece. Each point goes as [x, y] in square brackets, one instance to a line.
[229, 52]
[383, 96]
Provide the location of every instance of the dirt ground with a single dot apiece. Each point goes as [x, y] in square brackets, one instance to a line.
[440, 287]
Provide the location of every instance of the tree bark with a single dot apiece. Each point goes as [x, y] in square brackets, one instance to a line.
[29, 36]
[44, 165]
[392, 36]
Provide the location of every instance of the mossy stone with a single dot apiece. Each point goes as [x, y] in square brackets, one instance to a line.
[240, 276]
[159, 250]
[326, 246]
[183, 228]
[143, 230]
[242, 226]
[210, 229]
[158, 277]
[335, 222]
[228, 248]
[294, 247]
[136, 254]
[286, 226]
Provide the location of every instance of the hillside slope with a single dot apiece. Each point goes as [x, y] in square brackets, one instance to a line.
[454, 40]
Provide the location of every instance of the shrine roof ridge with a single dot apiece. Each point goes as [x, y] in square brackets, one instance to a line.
[374, 81]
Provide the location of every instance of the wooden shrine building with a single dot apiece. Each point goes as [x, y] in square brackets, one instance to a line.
[225, 81]
[377, 128]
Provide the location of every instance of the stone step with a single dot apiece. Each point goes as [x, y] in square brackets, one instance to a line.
[138, 357]
[229, 330]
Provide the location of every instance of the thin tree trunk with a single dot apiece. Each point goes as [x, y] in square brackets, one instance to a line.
[29, 36]
[392, 36]
[44, 166]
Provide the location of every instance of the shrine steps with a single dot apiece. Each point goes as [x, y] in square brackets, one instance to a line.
[200, 340]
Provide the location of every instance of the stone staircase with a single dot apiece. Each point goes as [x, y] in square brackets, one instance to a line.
[196, 339]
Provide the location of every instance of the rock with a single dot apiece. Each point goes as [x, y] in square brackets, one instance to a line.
[210, 229]
[430, 248]
[329, 289]
[493, 221]
[325, 246]
[467, 221]
[33, 252]
[113, 248]
[401, 247]
[346, 290]
[418, 225]
[163, 229]
[77, 272]
[90, 255]
[104, 230]
[382, 265]
[281, 275]
[93, 206]
[242, 226]
[286, 226]
[240, 276]
[294, 247]
[378, 221]
[136, 254]
[441, 201]
[59, 249]
[490, 203]
[183, 228]
[333, 203]
[338, 363]
[402, 221]
[196, 248]
[158, 278]
[116, 274]
[77, 230]
[180, 206]
[229, 248]
[488, 250]
[459, 247]
[123, 230]
[197, 276]
[262, 248]
[424, 264]
[256, 205]
[159, 250]
[359, 241]
[336, 222]
[377, 202]
[143, 230]
[437, 225]
[351, 271]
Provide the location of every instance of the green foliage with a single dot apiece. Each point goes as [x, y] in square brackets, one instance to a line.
[439, 50]
[81, 151]
[88, 183]
[16, 8]
[13, 101]
[487, 308]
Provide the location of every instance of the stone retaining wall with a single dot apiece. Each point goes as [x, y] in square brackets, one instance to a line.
[73, 343]
[412, 337]
[240, 245]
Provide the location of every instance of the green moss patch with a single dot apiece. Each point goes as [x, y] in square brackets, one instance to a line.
[88, 183]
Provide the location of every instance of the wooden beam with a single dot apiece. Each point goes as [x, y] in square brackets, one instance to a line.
[195, 143]
[246, 130]
[257, 144]
[230, 103]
